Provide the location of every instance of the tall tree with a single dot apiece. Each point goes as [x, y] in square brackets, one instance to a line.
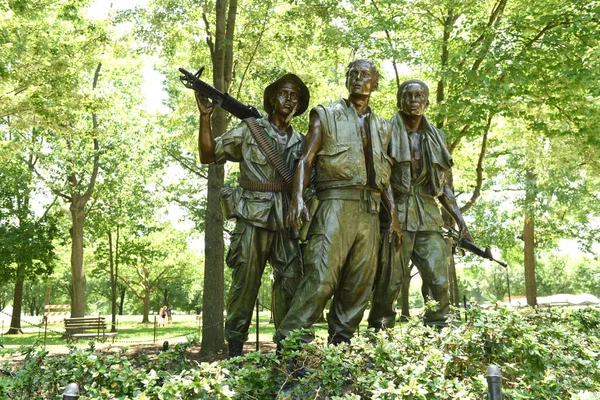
[26, 239]
[45, 90]
[221, 51]
[153, 257]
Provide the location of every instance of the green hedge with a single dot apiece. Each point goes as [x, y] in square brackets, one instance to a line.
[543, 354]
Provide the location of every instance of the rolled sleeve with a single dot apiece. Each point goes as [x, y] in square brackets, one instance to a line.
[228, 146]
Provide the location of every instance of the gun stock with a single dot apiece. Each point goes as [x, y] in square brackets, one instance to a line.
[223, 100]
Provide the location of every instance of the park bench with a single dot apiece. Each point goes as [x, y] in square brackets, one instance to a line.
[87, 327]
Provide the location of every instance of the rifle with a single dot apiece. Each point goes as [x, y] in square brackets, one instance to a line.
[472, 247]
[246, 113]
[223, 100]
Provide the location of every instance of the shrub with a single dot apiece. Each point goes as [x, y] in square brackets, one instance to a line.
[542, 353]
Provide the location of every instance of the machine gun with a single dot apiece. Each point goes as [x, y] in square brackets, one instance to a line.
[472, 247]
[223, 100]
[246, 113]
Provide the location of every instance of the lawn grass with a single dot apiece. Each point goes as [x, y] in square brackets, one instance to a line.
[132, 331]
[130, 328]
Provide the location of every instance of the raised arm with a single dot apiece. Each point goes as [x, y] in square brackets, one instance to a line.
[312, 145]
[206, 142]
[448, 201]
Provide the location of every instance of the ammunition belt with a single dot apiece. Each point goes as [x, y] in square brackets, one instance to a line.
[260, 135]
[262, 186]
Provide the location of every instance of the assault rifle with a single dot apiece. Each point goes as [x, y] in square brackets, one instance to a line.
[472, 247]
[223, 100]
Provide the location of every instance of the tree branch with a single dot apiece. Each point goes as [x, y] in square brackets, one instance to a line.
[209, 42]
[229, 32]
[452, 146]
[494, 18]
[191, 166]
[92, 181]
[493, 21]
[52, 188]
[258, 42]
[427, 11]
[537, 37]
[49, 207]
[158, 277]
[391, 43]
[130, 287]
[444, 57]
[479, 180]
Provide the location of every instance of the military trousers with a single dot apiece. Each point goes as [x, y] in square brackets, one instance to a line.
[340, 261]
[250, 249]
[430, 253]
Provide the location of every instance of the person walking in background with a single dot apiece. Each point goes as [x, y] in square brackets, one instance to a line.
[170, 314]
[162, 316]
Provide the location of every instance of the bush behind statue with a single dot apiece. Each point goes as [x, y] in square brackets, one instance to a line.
[544, 353]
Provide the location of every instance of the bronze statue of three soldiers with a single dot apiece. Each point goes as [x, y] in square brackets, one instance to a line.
[376, 183]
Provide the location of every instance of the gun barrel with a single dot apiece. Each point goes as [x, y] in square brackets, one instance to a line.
[473, 248]
[224, 100]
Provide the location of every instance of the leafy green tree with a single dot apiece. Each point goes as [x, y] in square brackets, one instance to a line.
[586, 276]
[49, 92]
[554, 187]
[26, 239]
[123, 198]
[46, 45]
[152, 257]
[33, 297]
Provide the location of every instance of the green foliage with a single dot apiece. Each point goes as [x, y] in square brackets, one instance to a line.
[529, 68]
[549, 354]
[26, 236]
[46, 46]
[102, 376]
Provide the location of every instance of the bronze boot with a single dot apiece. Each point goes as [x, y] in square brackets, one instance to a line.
[235, 348]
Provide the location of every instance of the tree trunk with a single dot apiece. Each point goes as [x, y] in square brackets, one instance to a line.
[47, 295]
[444, 57]
[113, 285]
[78, 202]
[529, 261]
[145, 318]
[77, 272]
[122, 298]
[213, 298]
[15, 321]
[529, 237]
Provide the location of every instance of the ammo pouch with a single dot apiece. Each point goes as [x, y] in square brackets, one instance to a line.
[230, 197]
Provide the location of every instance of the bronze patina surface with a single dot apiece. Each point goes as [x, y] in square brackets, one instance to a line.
[419, 185]
[347, 143]
[260, 234]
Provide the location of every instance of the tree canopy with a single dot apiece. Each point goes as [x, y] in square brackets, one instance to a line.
[91, 173]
